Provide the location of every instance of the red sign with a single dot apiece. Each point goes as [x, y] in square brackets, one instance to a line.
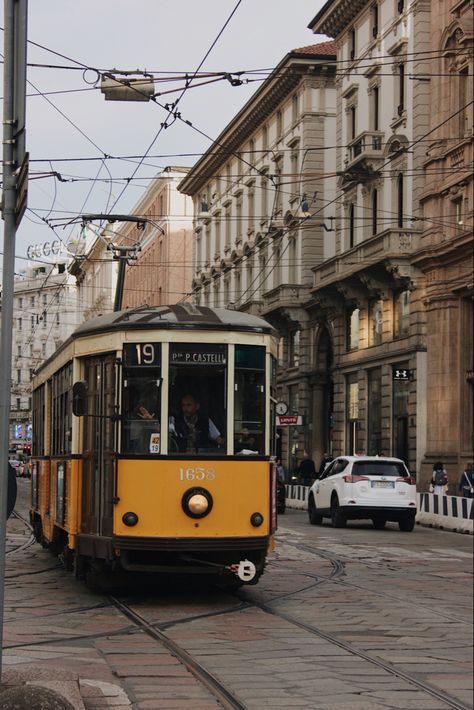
[290, 420]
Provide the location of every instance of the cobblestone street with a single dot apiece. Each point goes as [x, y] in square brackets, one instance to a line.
[343, 619]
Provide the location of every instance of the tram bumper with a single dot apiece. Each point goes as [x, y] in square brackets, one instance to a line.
[203, 556]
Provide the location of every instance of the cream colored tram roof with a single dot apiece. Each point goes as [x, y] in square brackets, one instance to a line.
[183, 316]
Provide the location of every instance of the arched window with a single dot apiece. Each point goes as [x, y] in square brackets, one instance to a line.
[374, 205]
[400, 200]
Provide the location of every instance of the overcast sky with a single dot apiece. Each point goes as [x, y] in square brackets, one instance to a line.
[157, 36]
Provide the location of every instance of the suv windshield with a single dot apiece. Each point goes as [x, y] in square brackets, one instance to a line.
[379, 468]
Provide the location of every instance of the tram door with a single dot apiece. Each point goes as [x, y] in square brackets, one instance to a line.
[99, 446]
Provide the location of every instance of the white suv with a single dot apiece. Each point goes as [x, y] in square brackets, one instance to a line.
[359, 487]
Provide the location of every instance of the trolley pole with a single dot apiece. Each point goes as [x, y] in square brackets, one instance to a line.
[15, 180]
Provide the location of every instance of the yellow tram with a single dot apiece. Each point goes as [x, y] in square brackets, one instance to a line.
[153, 435]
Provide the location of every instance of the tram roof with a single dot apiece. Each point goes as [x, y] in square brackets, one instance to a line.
[177, 316]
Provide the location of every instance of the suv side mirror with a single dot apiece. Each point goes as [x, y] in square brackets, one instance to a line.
[79, 398]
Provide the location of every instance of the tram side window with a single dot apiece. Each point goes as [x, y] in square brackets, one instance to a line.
[141, 414]
[141, 399]
[249, 400]
[61, 401]
[38, 421]
[197, 398]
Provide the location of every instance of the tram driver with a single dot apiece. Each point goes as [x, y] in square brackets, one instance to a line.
[191, 430]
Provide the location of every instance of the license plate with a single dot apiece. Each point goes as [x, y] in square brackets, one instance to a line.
[382, 484]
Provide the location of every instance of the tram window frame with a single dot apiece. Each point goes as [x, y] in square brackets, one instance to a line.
[200, 372]
[249, 372]
[38, 420]
[61, 411]
[141, 435]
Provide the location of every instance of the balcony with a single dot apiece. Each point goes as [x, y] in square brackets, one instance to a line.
[365, 154]
[389, 252]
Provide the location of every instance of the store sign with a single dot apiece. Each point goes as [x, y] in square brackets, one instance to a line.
[290, 420]
[36, 251]
[399, 373]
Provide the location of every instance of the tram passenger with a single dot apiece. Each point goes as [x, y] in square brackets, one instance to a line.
[144, 423]
[191, 429]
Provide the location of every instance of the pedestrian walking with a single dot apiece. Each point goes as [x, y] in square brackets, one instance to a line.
[466, 482]
[307, 470]
[439, 479]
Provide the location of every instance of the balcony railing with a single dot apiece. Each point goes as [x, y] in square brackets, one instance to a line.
[367, 145]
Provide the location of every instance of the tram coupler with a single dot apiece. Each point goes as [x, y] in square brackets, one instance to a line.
[245, 570]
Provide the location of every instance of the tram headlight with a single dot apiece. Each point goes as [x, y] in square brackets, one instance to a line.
[256, 519]
[130, 519]
[197, 502]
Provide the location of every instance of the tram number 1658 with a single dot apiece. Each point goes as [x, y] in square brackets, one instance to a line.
[196, 474]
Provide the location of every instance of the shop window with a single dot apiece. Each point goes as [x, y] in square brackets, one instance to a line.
[374, 412]
[352, 413]
[401, 390]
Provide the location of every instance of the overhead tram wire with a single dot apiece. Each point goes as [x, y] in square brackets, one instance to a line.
[172, 111]
[339, 197]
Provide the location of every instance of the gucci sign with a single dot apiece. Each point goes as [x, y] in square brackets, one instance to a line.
[35, 251]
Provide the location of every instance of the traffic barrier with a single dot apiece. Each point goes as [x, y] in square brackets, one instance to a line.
[446, 512]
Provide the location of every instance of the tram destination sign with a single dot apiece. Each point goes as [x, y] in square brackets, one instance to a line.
[141, 354]
[195, 354]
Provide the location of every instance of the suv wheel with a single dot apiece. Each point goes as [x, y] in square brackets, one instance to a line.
[379, 523]
[407, 523]
[338, 519]
[314, 517]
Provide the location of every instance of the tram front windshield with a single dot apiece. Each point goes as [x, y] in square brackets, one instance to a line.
[197, 398]
[197, 414]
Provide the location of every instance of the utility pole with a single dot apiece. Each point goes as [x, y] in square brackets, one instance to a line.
[15, 181]
[122, 253]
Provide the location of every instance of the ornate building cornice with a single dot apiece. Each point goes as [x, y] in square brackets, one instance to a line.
[335, 16]
[262, 104]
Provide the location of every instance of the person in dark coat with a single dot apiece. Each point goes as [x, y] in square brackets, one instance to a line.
[307, 470]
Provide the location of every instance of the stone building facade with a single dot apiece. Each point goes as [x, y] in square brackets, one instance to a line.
[44, 315]
[445, 254]
[162, 271]
[368, 318]
[263, 216]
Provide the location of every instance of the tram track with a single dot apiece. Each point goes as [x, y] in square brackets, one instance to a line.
[213, 685]
[31, 539]
[335, 578]
[388, 667]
